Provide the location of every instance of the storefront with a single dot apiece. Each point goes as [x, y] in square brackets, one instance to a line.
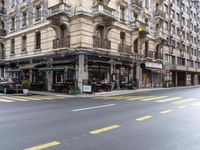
[152, 75]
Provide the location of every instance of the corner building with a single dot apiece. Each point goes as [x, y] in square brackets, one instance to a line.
[57, 44]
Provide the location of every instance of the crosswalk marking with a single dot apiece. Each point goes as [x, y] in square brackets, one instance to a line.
[29, 98]
[143, 118]
[169, 99]
[181, 107]
[184, 101]
[154, 98]
[138, 98]
[7, 101]
[166, 111]
[13, 98]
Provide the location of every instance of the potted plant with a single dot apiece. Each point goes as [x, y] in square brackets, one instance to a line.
[25, 87]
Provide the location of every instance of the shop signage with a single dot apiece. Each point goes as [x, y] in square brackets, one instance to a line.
[87, 88]
[153, 65]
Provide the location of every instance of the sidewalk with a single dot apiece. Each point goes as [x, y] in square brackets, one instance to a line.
[112, 93]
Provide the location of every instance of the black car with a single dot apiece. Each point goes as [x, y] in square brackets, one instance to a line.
[10, 85]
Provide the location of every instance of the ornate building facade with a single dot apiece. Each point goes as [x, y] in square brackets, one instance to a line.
[109, 43]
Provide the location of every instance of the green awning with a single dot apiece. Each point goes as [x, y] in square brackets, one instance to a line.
[14, 70]
[51, 69]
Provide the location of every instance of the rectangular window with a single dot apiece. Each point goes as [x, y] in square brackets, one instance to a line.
[24, 19]
[37, 40]
[38, 13]
[181, 61]
[24, 43]
[12, 50]
[122, 14]
[12, 24]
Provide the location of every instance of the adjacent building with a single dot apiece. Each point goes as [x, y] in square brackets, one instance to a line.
[108, 44]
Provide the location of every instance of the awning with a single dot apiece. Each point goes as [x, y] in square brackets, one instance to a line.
[13, 70]
[31, 66]
[51, 69]
[157, 70]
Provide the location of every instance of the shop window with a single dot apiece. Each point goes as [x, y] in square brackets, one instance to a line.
[59, 78]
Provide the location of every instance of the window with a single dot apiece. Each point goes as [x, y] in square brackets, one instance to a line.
[166, 9]
[178, 31]
[59, 78]
[12, 50]
[189, 63]
[122, 14]
[122, 38]
[181, 61]
[37, 40]
[38, 13]
[24, 43]
[173, 29]
[12, 24]
[12, 3]
[24, 19]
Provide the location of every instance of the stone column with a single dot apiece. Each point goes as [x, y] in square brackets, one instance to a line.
[82, 71]
[49, 77]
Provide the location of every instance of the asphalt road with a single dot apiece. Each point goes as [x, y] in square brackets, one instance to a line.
[159, 120]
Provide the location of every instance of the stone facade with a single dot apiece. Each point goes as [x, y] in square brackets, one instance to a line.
[111, 42]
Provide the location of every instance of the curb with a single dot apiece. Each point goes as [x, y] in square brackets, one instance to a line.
[115, 93]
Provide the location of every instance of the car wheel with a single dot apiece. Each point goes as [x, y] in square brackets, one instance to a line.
[5, 90]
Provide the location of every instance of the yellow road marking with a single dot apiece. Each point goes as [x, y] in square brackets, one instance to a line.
[183, 101]
[166, 111]
[143, 118]
[154, 98]
[181, 107]
[169, 99]
[44, 146]
[104, 129]
[112, 97]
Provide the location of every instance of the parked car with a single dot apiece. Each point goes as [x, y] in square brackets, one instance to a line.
[9, 85]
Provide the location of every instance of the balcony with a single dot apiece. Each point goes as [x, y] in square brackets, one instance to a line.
[101, 43]
[143, 29]
[2, 10]
[122, 48]
[57, 43]
[105, 12]
[161, 36]
[159, 15]
[59, 10]
[2, 32]
[137, 4]
[149, 54]
[159, 56]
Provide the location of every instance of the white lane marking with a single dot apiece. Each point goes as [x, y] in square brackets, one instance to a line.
[95, 107]
[13, 98]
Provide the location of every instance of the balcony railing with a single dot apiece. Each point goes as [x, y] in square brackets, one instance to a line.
[137, 3]
[2, 10]
[60, 8]
[106, 11]
[159, 56]
[160, 34]
[2, 32]
[160, 13]
[101, 43]
[124, 48]
[58, 43]
[149, 54]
